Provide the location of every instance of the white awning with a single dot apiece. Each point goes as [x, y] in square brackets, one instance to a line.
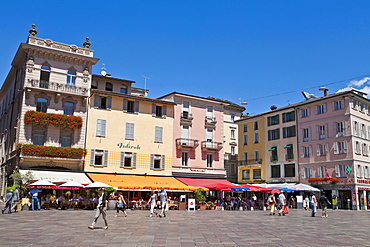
[55, 176]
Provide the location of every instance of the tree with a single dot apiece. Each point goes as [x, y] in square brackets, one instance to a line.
[22, 180]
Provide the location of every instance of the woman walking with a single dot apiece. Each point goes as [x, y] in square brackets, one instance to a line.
[272, 202]
[121, 205]
[153, 202]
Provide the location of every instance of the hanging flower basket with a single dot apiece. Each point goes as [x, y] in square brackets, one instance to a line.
[322, 179]
[58, 120]
[46, 151]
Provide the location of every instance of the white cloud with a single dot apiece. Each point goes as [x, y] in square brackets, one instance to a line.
[366, 89]
[359, 83]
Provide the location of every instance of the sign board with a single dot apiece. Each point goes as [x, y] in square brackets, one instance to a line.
[191, 204]
[182, 198]
[299, 199]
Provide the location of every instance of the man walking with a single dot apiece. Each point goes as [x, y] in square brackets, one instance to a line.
[15, 199]
[313, 202]
[163, 199]
[282, 203]
[8, 202]
[35, 199]
[324, 205]
[101, 210]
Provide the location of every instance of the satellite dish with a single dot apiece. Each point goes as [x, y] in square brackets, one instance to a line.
[103, 73]
[308, 96]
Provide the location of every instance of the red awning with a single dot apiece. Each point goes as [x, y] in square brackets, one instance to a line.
[211, 184]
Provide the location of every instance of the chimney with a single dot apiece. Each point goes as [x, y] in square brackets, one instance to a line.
[273, 107]
[325, 90]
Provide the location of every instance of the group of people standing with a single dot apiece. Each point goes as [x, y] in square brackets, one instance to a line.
[163, 199]
[11, 201]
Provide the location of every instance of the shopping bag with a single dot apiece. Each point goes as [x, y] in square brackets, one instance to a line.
[286, 211]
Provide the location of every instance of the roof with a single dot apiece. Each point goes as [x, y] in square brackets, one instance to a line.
[230, 104]
[130, 96]
[112, 78]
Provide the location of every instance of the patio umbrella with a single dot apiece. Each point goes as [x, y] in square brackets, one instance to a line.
[305, 187]
[42, 183]
[72, 184]
[286, 190]
[241, 189]
[97, 184]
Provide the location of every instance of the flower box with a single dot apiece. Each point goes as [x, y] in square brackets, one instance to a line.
[58, 120]
[322, 179]
[47, 151]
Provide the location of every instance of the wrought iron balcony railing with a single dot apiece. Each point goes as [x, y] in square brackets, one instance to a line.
[250, 162]
[186, 143]
[58, 87]
[212, 145]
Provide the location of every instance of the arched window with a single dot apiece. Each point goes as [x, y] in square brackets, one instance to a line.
[71, 78]
[108, 86]
[44, 76]
[41, 105]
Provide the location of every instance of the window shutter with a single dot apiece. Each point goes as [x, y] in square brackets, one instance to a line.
[160, 137]
[310, 150]
[327, 148]
[309, 134]
[324, 107]
[96, 101]
[317, 133]
[300, 113]
[303, 171]
[319, 171]
[122, 160]
[164, 110]
[337, 171]
[301, 135]
[103, 127]
[127, 135]
[152, 161]
[333, 105]
[153, 110]
[163, 162]
[335, 146]
[335, 128]
[125, 105]
[134, 160]
[302, 151]
[345, 128]
[308, 112]
[100, 128]
[316, 109]
[345, 147]
[318, 150]
[92, 157]
[351, 103]
[105, 157]
[156, 134]
[109, 103]
[326, 131]
[354, 128]
[136, 106]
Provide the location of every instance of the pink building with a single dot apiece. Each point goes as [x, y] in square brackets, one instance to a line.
[199, 136]
[334, 139]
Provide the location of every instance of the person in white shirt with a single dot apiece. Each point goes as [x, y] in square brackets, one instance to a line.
[313, 202]
[282, 203]
[163, 199]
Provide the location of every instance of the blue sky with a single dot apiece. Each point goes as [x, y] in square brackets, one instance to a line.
[225, 49]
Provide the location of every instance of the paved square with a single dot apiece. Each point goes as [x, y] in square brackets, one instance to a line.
[182, 228]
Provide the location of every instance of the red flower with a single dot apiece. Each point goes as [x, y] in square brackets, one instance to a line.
[58, 120]
[46, 151]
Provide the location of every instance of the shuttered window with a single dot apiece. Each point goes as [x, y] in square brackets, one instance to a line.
[130, 131]
[100, 128]
[158, 134]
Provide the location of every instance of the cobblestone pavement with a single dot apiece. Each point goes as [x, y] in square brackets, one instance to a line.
[182, 228]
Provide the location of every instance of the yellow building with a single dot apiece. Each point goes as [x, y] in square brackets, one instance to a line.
[127, 132]
[251, 163]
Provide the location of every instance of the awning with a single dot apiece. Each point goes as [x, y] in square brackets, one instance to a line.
[271, 149]
[58, 177]
[212, 184]
[135, 182]
[288, 146]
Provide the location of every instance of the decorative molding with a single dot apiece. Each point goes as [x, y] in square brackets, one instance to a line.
[42, 95]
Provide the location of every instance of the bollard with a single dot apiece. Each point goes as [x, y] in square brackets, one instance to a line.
[349, 204]
[264, 208]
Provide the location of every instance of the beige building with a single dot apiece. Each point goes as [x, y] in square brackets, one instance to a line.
[127, 133]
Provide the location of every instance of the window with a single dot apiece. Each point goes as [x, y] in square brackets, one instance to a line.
[108, 86]
[306, 172]
[94, 85]
[232, 150]
[246, 174]
[256, 155]
[257, 174]
[363, 131]
[256, 139]
[100, 127]
[341, 147]
[232, 134]
[123, 90]
[38, 137]
[289, 152]
[130, 106]
[359, 171]
[321, 132]
[340, 128]
[44, 77]
[130, 127]
[42, 105]
[305, 112]
[184, 158]
[337, 105]
[245, 156]
[232, 116]
[288, 117]
[274, 134]
[306, 151]
[245, 128]
[275, 171]
[321, 109]
[289, 170]
[357, 148]
[341, 171]
[209, 160]
[273, 120]
[158, 134]
[71, 78]
[245, 140]
[99, 157]
[289, 132]
[321, 171]
[128, 160]
[365, 150]
[157, 162]
[68, 108]
[159, 111]
[66, 139]
[306, 134]
[255, 125]
[274, 154]
[322, 150]
[102, 102]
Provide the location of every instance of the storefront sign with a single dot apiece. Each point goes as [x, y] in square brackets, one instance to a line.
[363, 188]
[121, 145]
[363, 181]
[344, 187]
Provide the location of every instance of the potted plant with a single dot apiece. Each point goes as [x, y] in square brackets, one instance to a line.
[200, 198]
[109, 191]
[211, 205]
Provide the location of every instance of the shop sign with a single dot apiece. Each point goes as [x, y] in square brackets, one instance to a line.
[363, 181]
[122, 145]
[344, 187]
[363, 188]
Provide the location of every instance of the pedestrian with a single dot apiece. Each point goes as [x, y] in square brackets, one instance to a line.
[271, 201]
[153, 202]
[282, 203]
[306, 203]
[121, 205]
[35, 198]
[163, 199]
[101, 209]
[334, 202]
[324, 205]
[8, 202]
[313, 202]
[15, 199]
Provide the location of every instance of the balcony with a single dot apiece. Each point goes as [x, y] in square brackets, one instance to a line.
[48, 151]
[210, 122]
[289, 157]
[212, 146]
[274, 158]
[186, 118]
[57, 87]
[186, 143]
[251, 162]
